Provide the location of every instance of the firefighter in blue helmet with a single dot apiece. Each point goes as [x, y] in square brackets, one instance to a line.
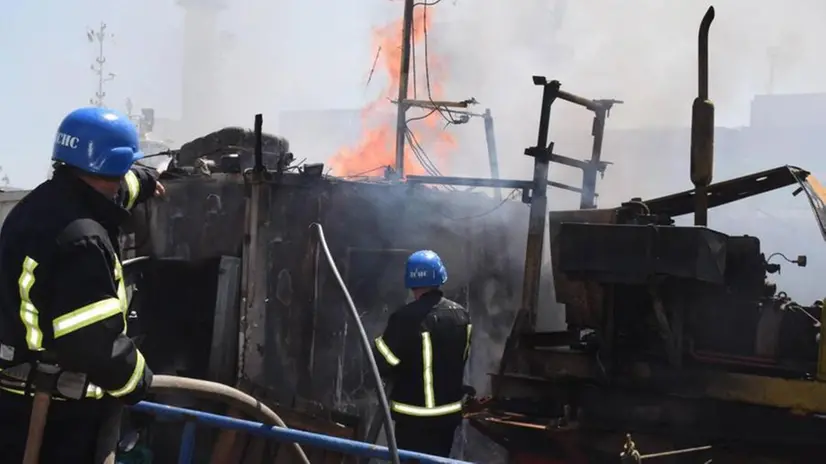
[62, 295]
[423, 352]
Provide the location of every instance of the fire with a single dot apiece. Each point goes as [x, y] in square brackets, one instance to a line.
[376, 148]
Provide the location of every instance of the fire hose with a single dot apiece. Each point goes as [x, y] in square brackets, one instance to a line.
[108, 436]
[230, 396]
[365, 341]
[110, 429]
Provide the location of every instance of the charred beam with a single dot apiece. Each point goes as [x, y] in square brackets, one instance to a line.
[436, 104]
[470, 181]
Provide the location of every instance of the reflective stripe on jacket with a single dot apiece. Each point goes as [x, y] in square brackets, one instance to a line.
[424, 349]
[61, 280]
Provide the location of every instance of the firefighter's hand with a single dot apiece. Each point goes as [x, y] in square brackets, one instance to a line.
[140, 392]
[160, 190]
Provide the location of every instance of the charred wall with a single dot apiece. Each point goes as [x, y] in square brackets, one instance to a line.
[200, 218]
[297, 338]
[308, 350]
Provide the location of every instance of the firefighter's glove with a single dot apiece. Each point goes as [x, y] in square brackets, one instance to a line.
[141, 391]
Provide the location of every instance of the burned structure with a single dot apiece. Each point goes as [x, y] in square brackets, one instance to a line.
[233, 261]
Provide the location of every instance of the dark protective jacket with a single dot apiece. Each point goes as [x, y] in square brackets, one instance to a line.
[423, 351]
[62, 294]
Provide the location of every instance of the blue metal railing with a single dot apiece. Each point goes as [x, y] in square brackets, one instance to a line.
[352, 447]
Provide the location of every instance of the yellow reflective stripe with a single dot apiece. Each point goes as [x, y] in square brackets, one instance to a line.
[133, 188]
[427, 362]
[419, 411]
[134, 379]
[122, 297]
[387, 352]
[92, 391]
[467, 343]
[93, 394]
[86, 316]
[28, 312]
[23, 393]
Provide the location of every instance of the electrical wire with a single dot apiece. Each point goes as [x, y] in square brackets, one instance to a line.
[385, 405]
[417, 149]
[508, 198]
[790, 261]
[420, 155]
[373, 68]
[447, 117]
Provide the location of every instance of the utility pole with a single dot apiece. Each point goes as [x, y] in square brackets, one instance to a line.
[98, 66]
[404, 74]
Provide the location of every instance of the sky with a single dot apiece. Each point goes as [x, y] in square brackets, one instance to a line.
[48, 59]
[315, 54]
[300, 54]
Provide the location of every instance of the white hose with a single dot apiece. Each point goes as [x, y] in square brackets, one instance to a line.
[365, 342]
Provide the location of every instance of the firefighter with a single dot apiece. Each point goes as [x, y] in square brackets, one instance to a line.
[62, 295]
[422, 353]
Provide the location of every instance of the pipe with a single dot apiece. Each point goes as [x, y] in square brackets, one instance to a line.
[232, 397]
[385, 405]
[702, 127]
[259, 142]
[342, 445]
[493, 155]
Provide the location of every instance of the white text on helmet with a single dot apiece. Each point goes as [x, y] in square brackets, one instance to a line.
[418, 273]
[67, 140]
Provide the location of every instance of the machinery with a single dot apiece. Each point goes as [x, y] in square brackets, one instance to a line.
[678, 348]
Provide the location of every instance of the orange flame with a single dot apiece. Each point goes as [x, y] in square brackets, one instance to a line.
[376, 148]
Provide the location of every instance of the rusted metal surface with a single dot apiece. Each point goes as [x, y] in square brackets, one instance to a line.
[583, 300]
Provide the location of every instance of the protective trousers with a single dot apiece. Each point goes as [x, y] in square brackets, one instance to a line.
[428, 435]
[71, 433]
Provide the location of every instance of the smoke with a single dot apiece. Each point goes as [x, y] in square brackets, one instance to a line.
[640, 51]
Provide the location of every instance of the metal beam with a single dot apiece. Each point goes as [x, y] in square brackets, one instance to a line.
[470, 181]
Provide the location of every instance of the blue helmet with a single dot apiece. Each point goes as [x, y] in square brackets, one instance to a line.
[424, 269]
[98, 141]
